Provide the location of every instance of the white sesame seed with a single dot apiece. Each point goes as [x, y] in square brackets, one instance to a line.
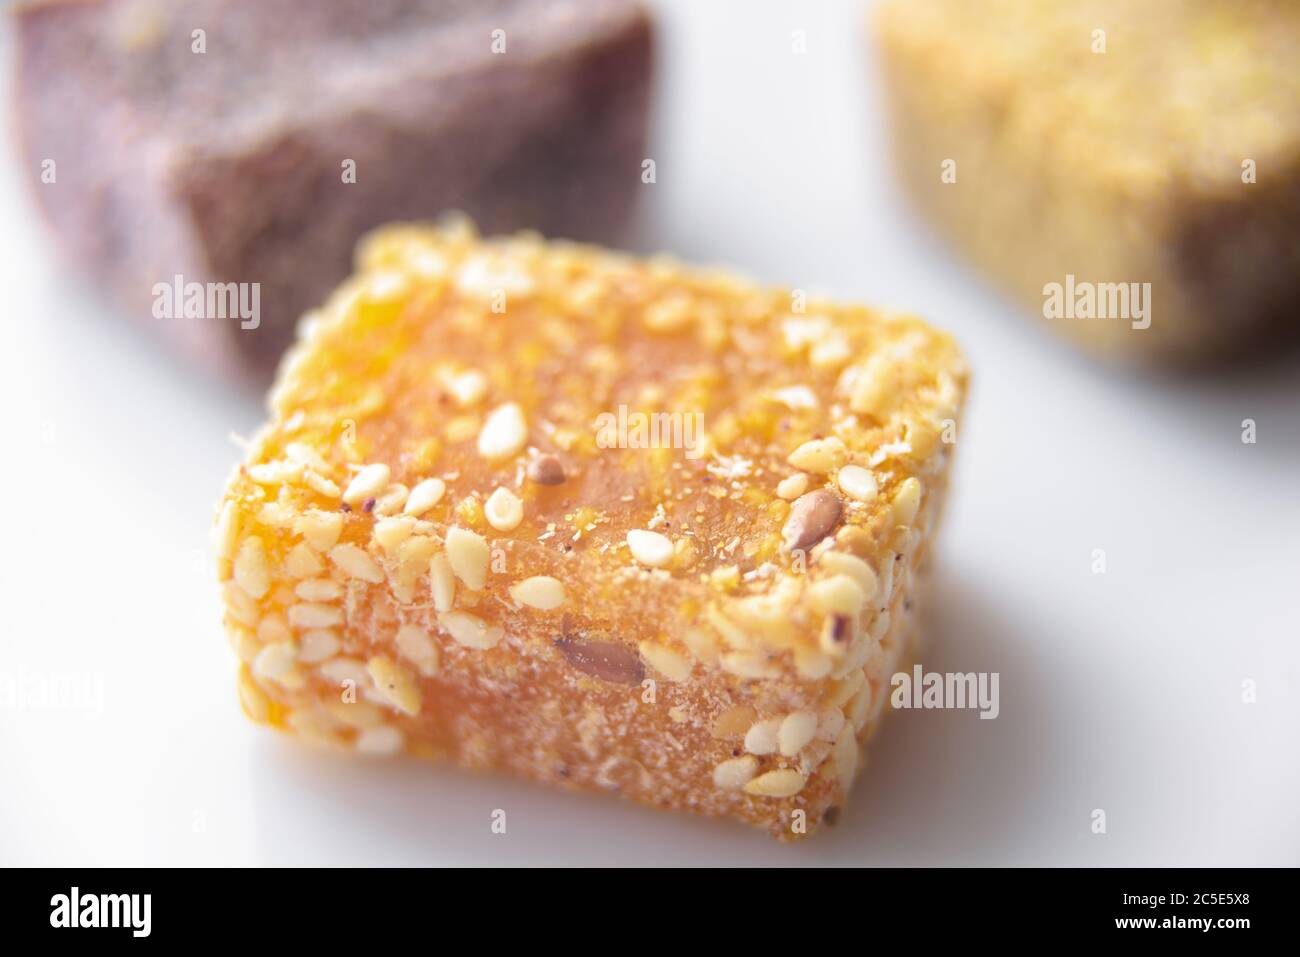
[792, 486]
[275, 661]
[797, 730]
[317, 645]
[906, 501]
[442, 582]
[762, 736]
[318, 589]
[857, 482]
[540, 591]
[504, 432]
[250, 569]
[467, 388]
[390, 532]
[735, 773]
[504, 510]
[845, 756]
[319, 529]
[469, 555]
[783, 782]
[343, 670]
[391, 500]
[670, 664]
[320, 485]
[355, 563]
[415, 645]
[425, 496]
[314, 615]
[226, 531]
[470, 630]
[650, 548]
[367, 483]
[818, 455]
[302, 562]
[382, 741]
[836, 595]
[395, 684]
[842, 563]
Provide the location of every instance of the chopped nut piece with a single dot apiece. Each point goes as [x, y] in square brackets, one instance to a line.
[546, 470]
[813, 516]
[602, 659]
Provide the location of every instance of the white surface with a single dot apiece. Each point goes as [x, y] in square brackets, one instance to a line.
[1119, 691]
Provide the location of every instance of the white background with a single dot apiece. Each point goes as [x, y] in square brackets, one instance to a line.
[1119, 691]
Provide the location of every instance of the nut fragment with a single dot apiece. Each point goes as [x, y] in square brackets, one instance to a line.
[546, 470]
[415, 645]
[792, 486]
[813, 516]
[356, 563]
[602, 659]
[394, 684]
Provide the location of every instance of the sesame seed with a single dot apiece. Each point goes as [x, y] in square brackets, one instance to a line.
[415, 645]
[650, 548]
[797, 730]
[394, 684]
[318, 589]
[250, 569]
[670, 664]
[907, 500]
[367, 483]
[504, 433]
[319, 529]
[275, 662]
[503, 510]
[302, 562]
[819, 455]
[355, 563]
[540, 591]
[468, 388]
[226, 531]
[792, 486]
[761, 738]
[442, 582]
[470, 630]
[836, 595]
[783, 782]
[391, 532]
[425, 496]
[314, 615]
[317, 645]
[735, 773]
[857, 483]
[382, 741]
[469, 555]
[343, 670]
